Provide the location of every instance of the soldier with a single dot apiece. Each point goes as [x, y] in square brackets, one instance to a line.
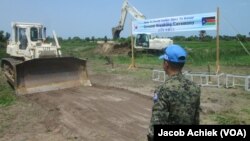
[177, 101]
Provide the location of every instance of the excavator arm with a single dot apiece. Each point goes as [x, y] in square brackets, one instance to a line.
[126, 7]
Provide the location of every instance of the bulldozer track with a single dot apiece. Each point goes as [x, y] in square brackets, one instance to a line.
[8, 68]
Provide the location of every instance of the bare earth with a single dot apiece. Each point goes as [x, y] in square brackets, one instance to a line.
[102, 112]
[89, 113]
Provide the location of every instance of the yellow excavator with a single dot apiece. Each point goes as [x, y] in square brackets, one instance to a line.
[141, 41]
[35, 66]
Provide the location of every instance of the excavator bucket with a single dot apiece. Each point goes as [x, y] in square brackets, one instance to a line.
[47, 74]
[116, 32]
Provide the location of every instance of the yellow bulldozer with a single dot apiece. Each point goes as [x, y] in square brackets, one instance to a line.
[35, 66]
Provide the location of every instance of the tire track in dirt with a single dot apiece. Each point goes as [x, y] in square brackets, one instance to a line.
[96, 113]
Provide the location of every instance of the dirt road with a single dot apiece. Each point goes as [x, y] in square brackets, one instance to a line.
[88, 113]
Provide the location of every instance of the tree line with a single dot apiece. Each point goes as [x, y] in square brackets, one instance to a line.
[240, 37]
[202, 36]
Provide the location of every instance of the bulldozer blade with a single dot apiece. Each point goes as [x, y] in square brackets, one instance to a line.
[47, 74]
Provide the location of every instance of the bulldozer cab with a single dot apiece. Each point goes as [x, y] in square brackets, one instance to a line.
[37, 34]
[28, 42]
[22, 38]
[25, 33]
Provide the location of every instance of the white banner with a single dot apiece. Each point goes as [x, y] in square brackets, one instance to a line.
[205, 21]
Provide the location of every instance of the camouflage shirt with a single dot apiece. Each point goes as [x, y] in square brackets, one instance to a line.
[177, 102]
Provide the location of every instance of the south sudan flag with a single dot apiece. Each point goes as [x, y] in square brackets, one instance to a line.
[208, 20]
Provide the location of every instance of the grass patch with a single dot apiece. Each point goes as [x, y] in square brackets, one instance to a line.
[122, 59]
[231, 53]
[6, 93]
[6, 98]
[80, 50]
[3, 53]
[247, 111]
[226, 119]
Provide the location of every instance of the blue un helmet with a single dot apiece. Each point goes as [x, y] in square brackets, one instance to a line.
[174, 53]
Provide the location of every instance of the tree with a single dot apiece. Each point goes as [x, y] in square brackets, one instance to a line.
[179, 38]
[60, 39]
[76, 38]
[49, 39]
[105, 39]
[87, 39]
[4, 38]
[202, 34]
[1, 36]
[93, 38]
[192, 38]
[227, 38]
[241, 37]
[208, 38]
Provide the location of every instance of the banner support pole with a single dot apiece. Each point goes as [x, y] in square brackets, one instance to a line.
[217, 43]
[132, 65]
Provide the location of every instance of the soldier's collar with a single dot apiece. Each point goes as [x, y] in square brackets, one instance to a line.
[176, 75]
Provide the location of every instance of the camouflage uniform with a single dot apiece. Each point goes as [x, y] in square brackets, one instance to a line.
[178, 102]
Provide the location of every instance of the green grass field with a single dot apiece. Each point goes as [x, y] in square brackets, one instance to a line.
[199, 54]
[231, 53]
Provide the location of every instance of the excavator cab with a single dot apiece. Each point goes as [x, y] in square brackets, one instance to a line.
[142, 40]
[146, 41]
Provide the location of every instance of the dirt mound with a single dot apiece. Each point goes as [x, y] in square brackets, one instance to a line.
[112, 48]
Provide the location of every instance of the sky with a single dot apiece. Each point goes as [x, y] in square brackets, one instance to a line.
[87, 18]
